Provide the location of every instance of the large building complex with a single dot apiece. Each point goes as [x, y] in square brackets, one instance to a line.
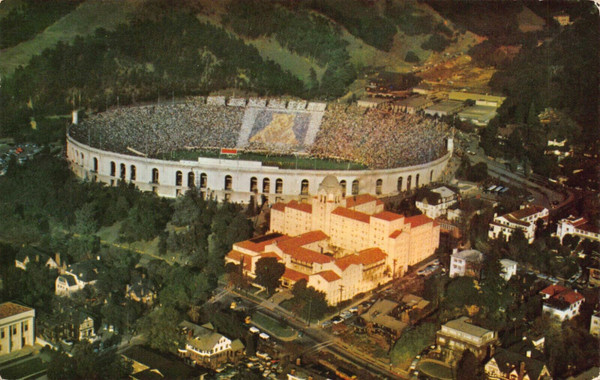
[577, 226]
[16, 327]
[340, 245]
[371, 151]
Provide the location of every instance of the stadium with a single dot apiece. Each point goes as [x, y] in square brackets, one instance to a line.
[257, 150]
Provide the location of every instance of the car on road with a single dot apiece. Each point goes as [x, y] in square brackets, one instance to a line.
[337, 320]
[353, 309]
[413, 365]
[326, 324]
[346, 314]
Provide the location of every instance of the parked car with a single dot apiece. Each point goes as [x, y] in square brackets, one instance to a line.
[337, 319]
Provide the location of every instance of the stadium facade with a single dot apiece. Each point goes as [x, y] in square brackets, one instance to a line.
[239, 180]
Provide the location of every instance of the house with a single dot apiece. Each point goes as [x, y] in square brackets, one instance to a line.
[466, 263]
[509, 268]
[435, 202]
[149, 365]
[141, 291]
[206, 347]
[560, 302]
[524, 219]
[509, 365]
[16, 327]
[579, 227]
[340, 245]
[380, 315]
[30, 254]
[595, 324]
[460, 334]
[76, 277]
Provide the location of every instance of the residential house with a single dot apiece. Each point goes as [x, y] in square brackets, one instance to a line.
[510, 365]
[380, 315]
[30, 254]
[509, 268]
[141, 291]
[76, 277]
[16, 327]
[524, 219]
[560, 302]
[435, 202]
[149, 365]
[466, 263]
[460, 334]
[206, 347]
[595, 324]
[579, 227]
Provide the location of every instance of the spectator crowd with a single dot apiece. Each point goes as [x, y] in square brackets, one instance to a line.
[376, 138]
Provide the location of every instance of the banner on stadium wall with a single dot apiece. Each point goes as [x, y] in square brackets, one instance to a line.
[229, 151]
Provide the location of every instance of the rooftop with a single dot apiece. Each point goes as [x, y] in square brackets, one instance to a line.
[365, 257]
[351, 214]
[462, 324]
[9, 309]
[388, 216]
[417, 220]
[470, 255]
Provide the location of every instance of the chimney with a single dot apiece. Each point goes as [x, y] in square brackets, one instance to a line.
[521, 370]
[298, 362]
[454, 251]
[75, 117]
[292, 371]
[57, 258]
[190, 334]
[528, 353]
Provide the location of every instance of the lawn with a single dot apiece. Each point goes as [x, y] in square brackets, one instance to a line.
[24, 369]
[435, 370]
[85, 19]
[281, 161]
[272, 326]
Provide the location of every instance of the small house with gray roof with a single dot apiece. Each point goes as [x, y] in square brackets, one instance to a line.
[204, 346]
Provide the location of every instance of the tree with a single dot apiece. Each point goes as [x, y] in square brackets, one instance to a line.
[412, 342]
[469, 368]
[88, 364]
[308, 302]
[161, 329]
[268, 272]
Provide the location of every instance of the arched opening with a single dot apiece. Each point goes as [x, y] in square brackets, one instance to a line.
[155, 175]
[399, 186]
[95, 165]
[178, 178]
[228, 182]
[203, 180]
[343, 185]
[355, 187]
[122, 172]
[266, 185]
[408, 180]
[304, 187]
[132, 172]
[113, 168]
[378, 185]
[431, 176]
[278, 186]
[191, 179]
[417, 181]
[253, 185]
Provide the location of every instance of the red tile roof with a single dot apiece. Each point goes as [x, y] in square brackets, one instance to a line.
[389, 216]
[357, 200]
[395, 234]
[329, 275]
[417, 220]
[527, 211]
[304, 207]
[293, 275]
[365, 257]
[304, 239]
[307, 256]
[562, 293]
[260, 247]
[8, 309]
[270, 254]
[356, 215]
[237, 257]
[279, 206]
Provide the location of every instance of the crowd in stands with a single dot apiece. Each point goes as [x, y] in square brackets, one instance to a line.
[379, 138]
[376, 138]
[157, 129]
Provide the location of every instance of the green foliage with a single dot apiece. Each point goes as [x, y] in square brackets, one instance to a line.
[461, 292]
[411, 57]
[436, 42]
[469, 368]
[411, 20]
[88, 364]
[412, 342]
[33, 16]
[308, 302]
[146, 219]
[161, 329]
[268, 272]
[33, 287]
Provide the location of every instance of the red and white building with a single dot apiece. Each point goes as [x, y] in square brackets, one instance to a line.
[577, 226]
[561, 302]
[524, 219]
[340, 245]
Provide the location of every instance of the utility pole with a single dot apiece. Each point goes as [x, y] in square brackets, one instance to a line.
[341, 289]
[309, 310]
[394, 270]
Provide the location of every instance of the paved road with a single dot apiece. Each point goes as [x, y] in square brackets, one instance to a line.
[324, 340]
